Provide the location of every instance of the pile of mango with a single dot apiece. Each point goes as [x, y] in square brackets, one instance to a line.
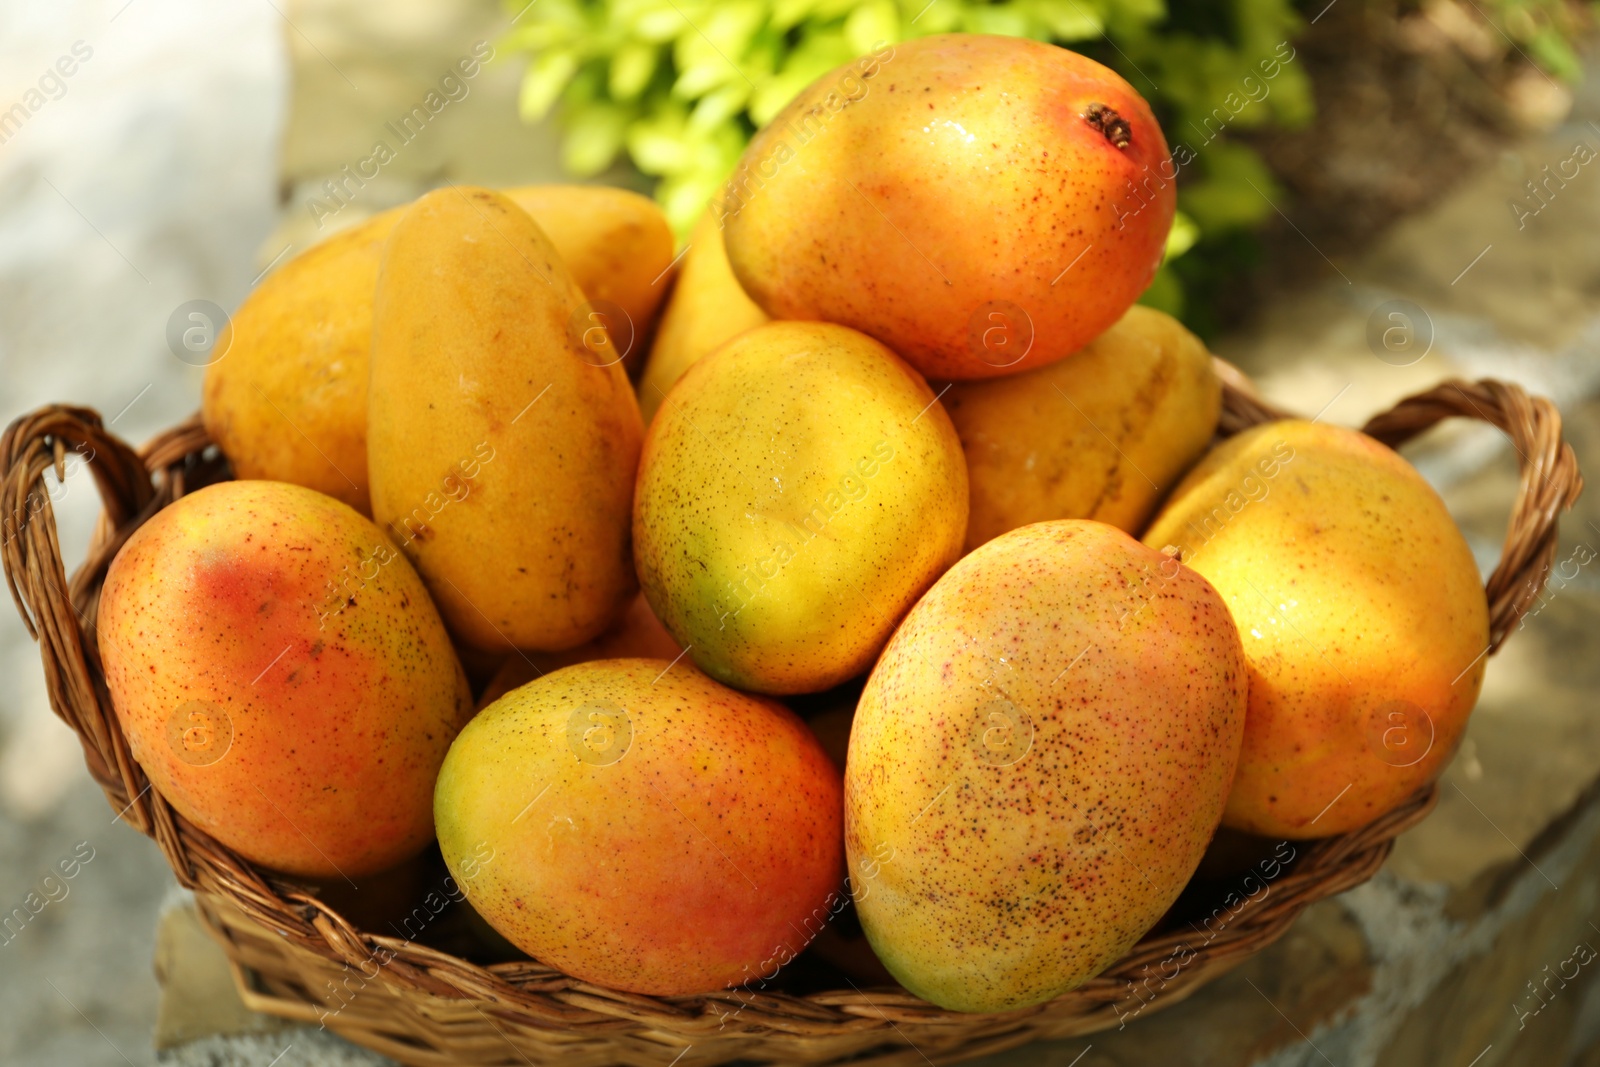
[901, 440]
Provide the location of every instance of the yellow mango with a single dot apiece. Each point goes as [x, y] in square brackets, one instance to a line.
[1038, 762]
[707, 308]
[1363, 618]
[797, 493]
[286, 400]
[1102, 434]
[618, 246]
[502, 450]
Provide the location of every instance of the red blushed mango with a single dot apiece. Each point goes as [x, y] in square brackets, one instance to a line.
[982, 205]
[282, 677]
[644, 828]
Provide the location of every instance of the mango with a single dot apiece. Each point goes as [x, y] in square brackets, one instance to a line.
[619, 248]
[646, 828]
[797, 493]
[282, 677]
[983, 205]
[707, 307]
[1363, 617]
[637, 635]
[1037, 763]
[1103, 435]
[501, 449]
[287, 399]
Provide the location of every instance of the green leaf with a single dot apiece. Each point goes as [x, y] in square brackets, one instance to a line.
[1555, 55]
[1165, 293]
[659, 24]
[1181, 237]
[790, 13]
[631, 68]
[1237, 192]
[1069, 20]
[594, 136]
[1005, 21]
[716, 108]
[872, 25]
[542, 84]
[658, 143]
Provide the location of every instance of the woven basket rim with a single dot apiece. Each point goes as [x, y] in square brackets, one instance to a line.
[529, 997]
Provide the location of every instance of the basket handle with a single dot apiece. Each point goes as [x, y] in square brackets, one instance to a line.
[60, 614]
[1548, 478]
[57, 614]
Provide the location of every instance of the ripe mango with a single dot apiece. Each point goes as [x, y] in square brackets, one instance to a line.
[501, 450]
[648, 829]
[1363, 618]
[619, 248]
[983, 205]
[282, 677]
[1037, 763]
[797, 493]
[1102, 435]
[707, 308]
[637, 635]
[288, 398]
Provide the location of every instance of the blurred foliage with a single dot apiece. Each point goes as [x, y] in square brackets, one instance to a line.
[1543, 30]
[680, 85]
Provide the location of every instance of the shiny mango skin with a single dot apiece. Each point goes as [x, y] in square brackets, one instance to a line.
[287, 399]
[707, 308]
[1362, 613]
[907, 193]
[1103, 434]
[1038, 762]
[797, 493]
[282, 677]
[644, 828]
[616, 243]
[501, 451]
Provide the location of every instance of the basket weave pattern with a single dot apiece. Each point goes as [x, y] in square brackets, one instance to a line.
[421, 1006]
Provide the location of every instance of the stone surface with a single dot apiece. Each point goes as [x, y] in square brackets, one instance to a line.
[198, 995]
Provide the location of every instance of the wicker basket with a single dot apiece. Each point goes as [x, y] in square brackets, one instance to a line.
[294, 955]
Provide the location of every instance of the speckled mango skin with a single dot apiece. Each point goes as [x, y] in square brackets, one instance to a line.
[501, 451]
[616, 243]
[1102, 435]
[698, 849]
[1363, 618]
[992, 869]
[902, 193]
[707, 308]
[798, 492]
[283, 616]
[287, 399]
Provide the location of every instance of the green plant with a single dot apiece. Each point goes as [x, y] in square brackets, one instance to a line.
[1545, 28]
[680, 85]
